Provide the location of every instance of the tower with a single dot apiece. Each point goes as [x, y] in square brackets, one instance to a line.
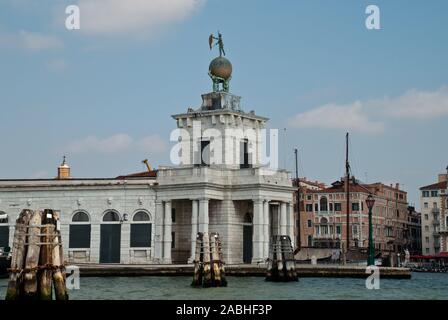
[64, 170]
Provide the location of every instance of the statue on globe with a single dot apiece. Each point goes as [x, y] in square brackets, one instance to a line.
[219, 43]
[220, 68]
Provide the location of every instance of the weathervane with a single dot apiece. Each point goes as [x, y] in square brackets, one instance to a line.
[220, 69]
[219, 43]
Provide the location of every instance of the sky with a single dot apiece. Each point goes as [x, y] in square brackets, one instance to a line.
[104, 95]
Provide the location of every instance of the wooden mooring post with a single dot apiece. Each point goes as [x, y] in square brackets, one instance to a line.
[208, 262]
[37, 258]
[281, 263]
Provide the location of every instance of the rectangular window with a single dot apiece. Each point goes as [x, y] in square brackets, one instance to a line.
[425, 205]
[79, 236]
[337, 206]
[244, 149]
[309, 208]
[141, 235]
[309, 197]
[205, 152]
[173, 240]
[331, 207]
[309, 223]
[434, 205]
[173, 214]
[355, 206]
[338, 229]
[427, 239]
[434, 193]
[426, 217]
[425, 194]
[316, 207]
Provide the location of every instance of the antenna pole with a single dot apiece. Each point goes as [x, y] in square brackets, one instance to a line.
[299, 240]
[347, 198]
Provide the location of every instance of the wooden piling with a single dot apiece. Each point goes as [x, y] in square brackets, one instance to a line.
[197, 276]
[221, 262]
[32, 256]
[58, 262]
[207, 282]
[281, 263]
[46, 257]
[208, 263]
[216, 271]
[18, 255]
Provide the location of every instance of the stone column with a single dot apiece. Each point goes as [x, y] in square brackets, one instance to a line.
[258, 228]
[283, 218]
[203, 215]
[267, 236]
[158, 250]
[194, 228]
[291, 223]
[167, 228]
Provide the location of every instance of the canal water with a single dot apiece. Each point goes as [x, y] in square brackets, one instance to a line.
[421, 286]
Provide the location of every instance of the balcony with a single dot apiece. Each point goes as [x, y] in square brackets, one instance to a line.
[327, 236]
[443, 229]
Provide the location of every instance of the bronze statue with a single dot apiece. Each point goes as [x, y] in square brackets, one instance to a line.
[219, 42]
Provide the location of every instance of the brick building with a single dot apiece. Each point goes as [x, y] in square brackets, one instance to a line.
[433, 201]
[323, 217]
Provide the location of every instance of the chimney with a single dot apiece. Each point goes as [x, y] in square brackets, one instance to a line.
[64, 170]
[397, 186]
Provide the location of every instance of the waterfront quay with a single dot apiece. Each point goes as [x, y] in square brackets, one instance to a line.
[237, 270]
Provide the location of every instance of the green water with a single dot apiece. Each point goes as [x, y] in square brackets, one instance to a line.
[421, 286]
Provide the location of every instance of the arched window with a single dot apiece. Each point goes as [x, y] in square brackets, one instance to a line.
[111, 216]
[79, 235]
[141, 216]
[141, 230]
[80, 217]
[323, 204]
[4, 230]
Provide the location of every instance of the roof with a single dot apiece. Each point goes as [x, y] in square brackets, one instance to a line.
[434, 186]
[144, 174]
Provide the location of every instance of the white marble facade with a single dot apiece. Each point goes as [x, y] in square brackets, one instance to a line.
[244, 204]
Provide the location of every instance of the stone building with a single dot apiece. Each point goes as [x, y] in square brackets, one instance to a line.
[219, 184]
[305, 222]
[434, 203]
[324, 217]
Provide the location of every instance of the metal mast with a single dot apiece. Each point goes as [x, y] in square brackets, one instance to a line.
[347, 198]
[299, 240]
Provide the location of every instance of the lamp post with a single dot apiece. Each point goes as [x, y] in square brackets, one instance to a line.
[370, 201]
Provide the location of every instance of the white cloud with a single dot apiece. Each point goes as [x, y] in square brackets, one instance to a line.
[114, 17]
[118, 143]
[29, 41]
[348, 118]
[415, 104]
[57, 65]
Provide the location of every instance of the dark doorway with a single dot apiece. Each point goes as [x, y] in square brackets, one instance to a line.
[247, 238]
[110, 243]
[4, 236]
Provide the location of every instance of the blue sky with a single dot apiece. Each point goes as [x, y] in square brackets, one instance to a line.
[104, 94]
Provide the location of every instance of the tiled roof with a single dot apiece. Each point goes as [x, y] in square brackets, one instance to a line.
[435, 186]
[144, 174]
